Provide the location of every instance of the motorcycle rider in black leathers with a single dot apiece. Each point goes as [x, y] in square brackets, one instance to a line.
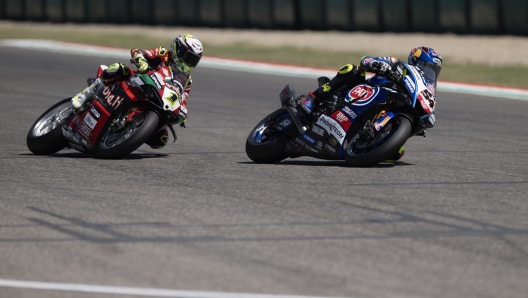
[424, 58]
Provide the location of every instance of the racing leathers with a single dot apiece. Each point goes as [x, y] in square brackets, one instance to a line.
[351, 75]
[156, 58]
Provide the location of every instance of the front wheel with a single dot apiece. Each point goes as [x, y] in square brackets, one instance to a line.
[265, 144]
[45, 135]
[120, 140]
[365, 151]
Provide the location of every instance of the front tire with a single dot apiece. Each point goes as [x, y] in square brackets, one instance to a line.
[393, 136]
[45, 135]
[117, 143]
[265, 145]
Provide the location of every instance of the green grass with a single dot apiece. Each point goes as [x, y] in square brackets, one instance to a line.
[471, 73]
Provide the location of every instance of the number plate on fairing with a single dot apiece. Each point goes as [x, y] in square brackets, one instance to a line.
[424, 91]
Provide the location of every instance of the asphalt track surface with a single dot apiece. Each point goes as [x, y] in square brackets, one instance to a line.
[449, 221]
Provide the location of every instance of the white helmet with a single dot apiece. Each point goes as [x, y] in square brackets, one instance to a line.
[187, 51]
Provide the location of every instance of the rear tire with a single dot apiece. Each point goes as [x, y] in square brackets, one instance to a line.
[268, 149]
[400, 131]
[120, 143]
[45, 135]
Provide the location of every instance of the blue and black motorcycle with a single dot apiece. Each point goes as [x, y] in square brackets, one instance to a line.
[364, 125]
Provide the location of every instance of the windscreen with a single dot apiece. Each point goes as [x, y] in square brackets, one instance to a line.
[431, 71]
[179, 76]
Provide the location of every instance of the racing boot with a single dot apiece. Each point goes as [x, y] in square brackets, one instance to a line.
[158, 139]
[396, 156]
[87, 94]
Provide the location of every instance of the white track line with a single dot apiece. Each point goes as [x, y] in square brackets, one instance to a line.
[251, 66]
[134, 291]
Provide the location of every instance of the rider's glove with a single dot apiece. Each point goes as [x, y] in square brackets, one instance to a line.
[396, 73]
[381, 67]
[141, 63]
[392, 73]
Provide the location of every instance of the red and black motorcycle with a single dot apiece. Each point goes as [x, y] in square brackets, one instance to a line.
[120, 118]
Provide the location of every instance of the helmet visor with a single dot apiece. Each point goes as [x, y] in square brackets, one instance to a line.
[430, 70]
[190, 58]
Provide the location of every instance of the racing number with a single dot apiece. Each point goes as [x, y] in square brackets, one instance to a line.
[429, 97]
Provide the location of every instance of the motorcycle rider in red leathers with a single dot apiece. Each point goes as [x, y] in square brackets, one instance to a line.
[424, 58]
[185, 53]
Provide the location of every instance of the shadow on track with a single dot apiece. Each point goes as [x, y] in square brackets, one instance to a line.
[132, 156]
[331, 163]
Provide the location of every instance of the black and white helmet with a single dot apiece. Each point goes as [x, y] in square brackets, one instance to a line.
[187, 51]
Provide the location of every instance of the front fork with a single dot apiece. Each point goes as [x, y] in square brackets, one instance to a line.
[382, 118]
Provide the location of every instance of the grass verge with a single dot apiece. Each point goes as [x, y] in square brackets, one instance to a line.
[471, 73]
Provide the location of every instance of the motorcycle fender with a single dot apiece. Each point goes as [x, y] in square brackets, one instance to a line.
[285, 124]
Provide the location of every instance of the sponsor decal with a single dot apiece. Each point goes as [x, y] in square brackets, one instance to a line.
[171, 97]
[300, 142]
[330, 149]
[284, 123]
[410, 84]
[332, 127]
[437, 61]
[366, 61]
[342, 119]
[156, 81]
[385, 120]
[318, 130]
[182, 114]
[175, 88]
[90, 121]
[415, 72]
[431, 89]
[304, 145]
[431, 119]
[377, 126]
[309, 139]
[183, 109]
[95, 113]
[85, 130]
[333, 141]
[361, 95]
[160, 78]
[97, 85]
[111, 99]
[76, 137]
[319, 145]
[349, 112]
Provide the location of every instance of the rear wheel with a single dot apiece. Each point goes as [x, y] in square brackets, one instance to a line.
[45, 135]
[364, 150]
[265, 144]
[120, 139]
